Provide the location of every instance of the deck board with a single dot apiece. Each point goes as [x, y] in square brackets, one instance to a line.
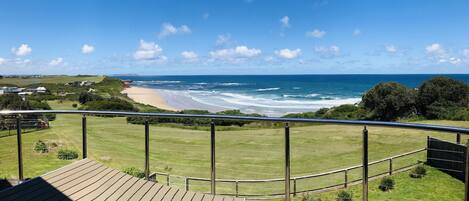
[89, 180]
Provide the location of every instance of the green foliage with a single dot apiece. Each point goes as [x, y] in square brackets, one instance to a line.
[67, 154]
[192, 121]
[133, 171]
[42, 105]
[389, 101]
[346, 111]
[440, 97]
[112, 104]
[418, 172]
[85, 97]
[13, 102]
[74, 105]
[309, 197]
[344, 196]
[40, 147]
[386, 184]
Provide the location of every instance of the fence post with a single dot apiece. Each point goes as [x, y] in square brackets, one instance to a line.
[167, 179]
[147, 150]
[20, 148]
[287, 162]
[365, 164]
[84, 140]
[346, 178]
[390, 166]
[237, 188]
[466, 192]
[212, 158]
[186, 181]
[294, 187]
[458, 138]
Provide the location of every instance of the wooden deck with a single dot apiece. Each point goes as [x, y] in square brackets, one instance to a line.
[90, 180]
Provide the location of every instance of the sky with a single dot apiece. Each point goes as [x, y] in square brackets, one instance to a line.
[175, 37]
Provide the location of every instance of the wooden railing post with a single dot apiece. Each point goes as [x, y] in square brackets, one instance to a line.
[458, 138]
[346, 178]
[20, 148]
[147, 150]
[390, 166]
[294, 187]
[186, 181]
[237, 188]
[84, 140]
[287, 162]
[212, 158]
[365, 164]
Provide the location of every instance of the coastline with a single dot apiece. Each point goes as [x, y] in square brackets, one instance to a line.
[148, 96]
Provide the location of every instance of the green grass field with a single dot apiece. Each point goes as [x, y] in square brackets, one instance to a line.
[48, 80]
[241, 154]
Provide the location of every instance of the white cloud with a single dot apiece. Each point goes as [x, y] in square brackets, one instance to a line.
[316, 33]
[56, 62]
[327, 52]
[235, 54]
[356, 32]
[2, 61]
[20, 61]
[288, 54]
[223, 39]
[87, 49]
[285, 22]
[390, 48]
[168, 29]
[454, 60]
[23, 50]
[436, 49]
[189, 55]
[149, 51]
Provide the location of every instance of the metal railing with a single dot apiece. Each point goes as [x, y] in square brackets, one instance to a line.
[287, 179]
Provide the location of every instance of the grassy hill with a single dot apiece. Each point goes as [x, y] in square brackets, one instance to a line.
[59, 79]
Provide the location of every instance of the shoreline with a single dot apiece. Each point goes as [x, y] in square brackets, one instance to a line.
[148, 96]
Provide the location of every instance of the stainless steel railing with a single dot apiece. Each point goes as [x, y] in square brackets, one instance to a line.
[287, 179]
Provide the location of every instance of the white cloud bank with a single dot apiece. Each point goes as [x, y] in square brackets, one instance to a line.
[285, 22]
[168, 29]
[390, 48]
[288, 54]
[2, 61]
[22, 50]
[438, 53]
[327, 52]
[87, 49]
[235, 54]
[189, 56]
[149, 51]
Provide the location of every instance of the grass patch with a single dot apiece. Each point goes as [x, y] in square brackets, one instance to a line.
[21, 82]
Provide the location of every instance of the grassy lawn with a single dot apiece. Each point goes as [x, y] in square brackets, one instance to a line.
[241, 154]
[49, 80]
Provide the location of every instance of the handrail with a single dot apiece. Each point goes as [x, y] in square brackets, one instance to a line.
[451, 129]
[455, 130]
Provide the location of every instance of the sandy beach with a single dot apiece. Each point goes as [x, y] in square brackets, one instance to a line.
[148, 96]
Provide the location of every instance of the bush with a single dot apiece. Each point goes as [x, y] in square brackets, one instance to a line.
[309, 197]
[13, 102]
[418, 172]
[66, 154]
[440, 94]
[112, 104]
[387, 183]
[85, 97]
[344, 196]
[389, 101]
[74, 105]
[40, 147]
[43, 105]
[134, 172]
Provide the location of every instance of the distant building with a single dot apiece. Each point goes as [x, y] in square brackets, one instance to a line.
[11, 90]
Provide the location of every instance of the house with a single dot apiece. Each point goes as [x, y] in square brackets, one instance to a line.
[41, 90]
[86, 83]
[11, 90]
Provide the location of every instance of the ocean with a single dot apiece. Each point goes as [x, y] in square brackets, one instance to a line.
[271, 95]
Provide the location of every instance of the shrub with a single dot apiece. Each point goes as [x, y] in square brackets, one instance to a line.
[309, 197]
[112, 104]
[344, 196]
[389, 101]
[418, 172]
[387, 183]
[74, 105]
[437, 95]
[40, 147]
[85, 97]
[66, 154]
[134, 172]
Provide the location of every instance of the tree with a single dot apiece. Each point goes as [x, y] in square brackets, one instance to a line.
[439, 97]
[389, 101]
[13, 102]
[87, 97]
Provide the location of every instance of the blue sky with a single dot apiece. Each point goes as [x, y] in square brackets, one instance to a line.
[175, 37]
